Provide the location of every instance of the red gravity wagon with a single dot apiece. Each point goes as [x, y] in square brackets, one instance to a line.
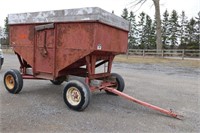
[52, 45]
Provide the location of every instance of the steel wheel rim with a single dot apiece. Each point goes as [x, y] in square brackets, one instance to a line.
[73, 96]
[10, 82]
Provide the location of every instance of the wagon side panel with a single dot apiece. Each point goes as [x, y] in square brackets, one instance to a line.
[22, 41]
[111, 39]
[74, 41]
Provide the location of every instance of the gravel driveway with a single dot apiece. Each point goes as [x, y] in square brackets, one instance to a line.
[39, 107]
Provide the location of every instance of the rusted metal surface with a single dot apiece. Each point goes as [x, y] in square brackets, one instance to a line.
[22, 41]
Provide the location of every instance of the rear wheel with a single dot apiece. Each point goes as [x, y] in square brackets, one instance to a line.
[119, 83]
[76, 95]
[58, 81]
[13, 81]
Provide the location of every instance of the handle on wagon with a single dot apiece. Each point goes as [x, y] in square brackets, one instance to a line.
[44, 51]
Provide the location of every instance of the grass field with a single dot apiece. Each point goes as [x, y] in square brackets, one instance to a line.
[8, 51]
[158, 60]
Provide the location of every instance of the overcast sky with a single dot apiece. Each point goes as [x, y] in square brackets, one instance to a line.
[191, 7]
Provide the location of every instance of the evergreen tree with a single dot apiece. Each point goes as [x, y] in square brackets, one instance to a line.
[165, 29]
[1, 33]
[198, 29]
[183, 30]
[141, 33]
[174, 29]
[6, 31]
[125, 14]
[147, 32]
[191, 36]
[133, 31]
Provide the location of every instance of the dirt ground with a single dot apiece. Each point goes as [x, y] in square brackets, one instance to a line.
[39, 107]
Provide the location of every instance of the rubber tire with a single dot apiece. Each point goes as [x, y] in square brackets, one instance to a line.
[85, 94]
[58, 81]
[18, 81]
[120, 83]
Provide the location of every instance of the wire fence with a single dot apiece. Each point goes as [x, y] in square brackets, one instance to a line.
[182, 53]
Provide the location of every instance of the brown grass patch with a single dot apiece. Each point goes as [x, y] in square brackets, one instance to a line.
[158, 60]
[8, 51]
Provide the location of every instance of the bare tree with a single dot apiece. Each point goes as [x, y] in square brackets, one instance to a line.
[158, 24]
[156, 3]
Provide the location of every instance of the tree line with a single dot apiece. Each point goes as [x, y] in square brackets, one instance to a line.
[4, 32]
[177, 31]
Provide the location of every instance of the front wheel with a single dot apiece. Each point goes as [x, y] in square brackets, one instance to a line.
[76, 95]
[118, 81]
[13, 81]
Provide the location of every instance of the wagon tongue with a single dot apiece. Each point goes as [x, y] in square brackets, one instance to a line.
[164, 111]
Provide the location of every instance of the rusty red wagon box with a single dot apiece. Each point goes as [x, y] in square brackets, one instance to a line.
[57, 43]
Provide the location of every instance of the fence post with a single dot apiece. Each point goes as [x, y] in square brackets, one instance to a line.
[183, 54]
[162, 53]
[127, 53]
[143, 53]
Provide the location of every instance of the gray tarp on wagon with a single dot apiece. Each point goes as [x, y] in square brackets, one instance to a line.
[70, 15]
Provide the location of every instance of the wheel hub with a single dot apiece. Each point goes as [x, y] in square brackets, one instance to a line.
[73, 96]
[10, 82]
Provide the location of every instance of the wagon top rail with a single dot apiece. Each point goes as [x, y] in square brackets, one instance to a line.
[70, 15]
